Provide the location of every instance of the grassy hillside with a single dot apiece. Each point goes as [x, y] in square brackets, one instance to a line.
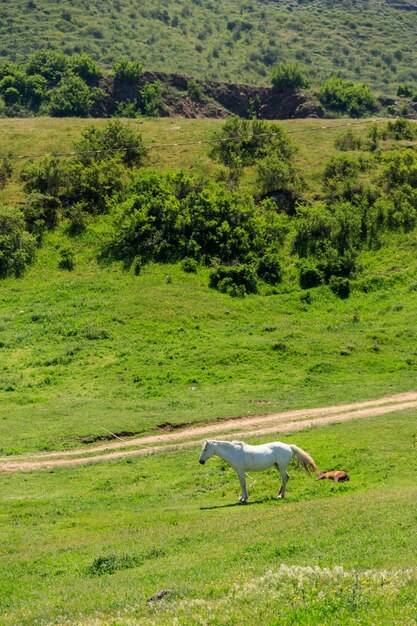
[99, 347]
[90, 545]
[235, 40]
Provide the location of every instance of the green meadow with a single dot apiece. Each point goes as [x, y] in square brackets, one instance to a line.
[91, 545]
[100, 348]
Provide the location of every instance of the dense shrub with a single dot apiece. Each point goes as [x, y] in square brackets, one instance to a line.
[113, 139]
[346, 96]
[248, 141]
[309, 274]
[95, 176]
[67, 259]
[173, 216]
[44, 176]
[17, 246]
[5, 170]
[400, 168]
[401, 129]
[150, 98]
[279, 178]
[71, 98]
[270, 268]
[340, 286]
[49, 64]
[189, 265]
[85, 67]
[127, 71]
[289, 75]
[235, 280]
[41, 212]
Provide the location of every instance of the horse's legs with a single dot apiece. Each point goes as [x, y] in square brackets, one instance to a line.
[285, 478]
[242, 479]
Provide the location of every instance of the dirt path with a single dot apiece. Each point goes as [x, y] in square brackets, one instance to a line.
[235, 428]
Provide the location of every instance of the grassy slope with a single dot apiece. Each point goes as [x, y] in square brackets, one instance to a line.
[76, 345]
[370, 41]
[164, 522]
[99, 347]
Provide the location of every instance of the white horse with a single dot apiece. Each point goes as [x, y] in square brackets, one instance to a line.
[245, 458]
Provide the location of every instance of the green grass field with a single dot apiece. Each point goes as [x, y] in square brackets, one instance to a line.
[91, 545]
[162, 346]
[99, 347]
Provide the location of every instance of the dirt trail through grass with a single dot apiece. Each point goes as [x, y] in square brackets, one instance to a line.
[233, 428]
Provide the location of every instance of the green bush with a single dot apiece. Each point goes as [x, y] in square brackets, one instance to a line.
[71, 98]
[189, 265]
[49, 64]
[348, 141]
[346, 96]
[44, 176]
[248, 141]
[340, 286]
[173, 216]
[115, 139]
[67, 259]
[270, 268]
[235, 280]
[17, 246]
[85, 67]
[289, 75]
[127, 71]
[150, 98]
[5, 170]
[309, 274]
[401, 129]
[41, 212]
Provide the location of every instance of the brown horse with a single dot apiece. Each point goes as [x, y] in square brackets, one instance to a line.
[338, 476]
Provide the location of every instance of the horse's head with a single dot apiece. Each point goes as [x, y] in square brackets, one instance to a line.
[206, 452]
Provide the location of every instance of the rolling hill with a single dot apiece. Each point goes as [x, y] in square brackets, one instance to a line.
[227, 40]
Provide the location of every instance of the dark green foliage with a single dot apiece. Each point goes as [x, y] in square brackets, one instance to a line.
[5, 170]
[235, 280]
[17, 246]
[49, 64]
[150, 98]
[95, 176]
[248, 141]
[41, 212]
[279, 178]
[189, 265]
[115, 139]
[72, 97]
[44, 176]
[310, 275]
[93, 184]
[85, 67]
[289, 75]
[270, 268]
[346, 96]
[401, 129]
[340, 286]
[405, 90]
[127, 71]
[173, 216]
[67, 259]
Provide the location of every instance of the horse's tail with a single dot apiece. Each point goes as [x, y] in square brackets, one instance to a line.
[304, 460]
